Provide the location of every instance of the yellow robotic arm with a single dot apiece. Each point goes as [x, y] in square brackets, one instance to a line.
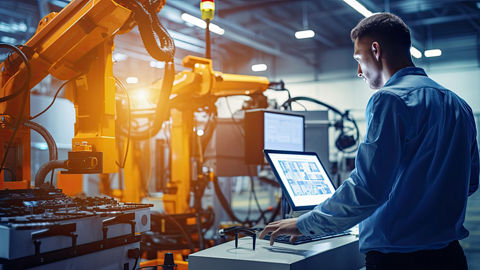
[76, 44]
[190, 89]
[203, 81]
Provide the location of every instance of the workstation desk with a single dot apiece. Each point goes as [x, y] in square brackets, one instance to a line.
[335, 253]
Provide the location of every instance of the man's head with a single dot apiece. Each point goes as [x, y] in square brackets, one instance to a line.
[382, 47]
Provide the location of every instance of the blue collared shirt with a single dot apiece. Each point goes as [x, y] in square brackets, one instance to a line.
[414, 170]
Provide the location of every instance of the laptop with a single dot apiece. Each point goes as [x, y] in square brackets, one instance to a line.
[304, 181]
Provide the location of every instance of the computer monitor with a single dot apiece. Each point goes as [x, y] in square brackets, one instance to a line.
[283, 131]
[303, 178]
[275, 130]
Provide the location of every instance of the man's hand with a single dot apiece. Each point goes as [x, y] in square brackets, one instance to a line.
[284, 226]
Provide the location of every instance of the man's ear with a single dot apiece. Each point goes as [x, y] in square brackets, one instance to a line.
[376, 50]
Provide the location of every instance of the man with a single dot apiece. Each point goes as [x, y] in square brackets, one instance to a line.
[415, 169]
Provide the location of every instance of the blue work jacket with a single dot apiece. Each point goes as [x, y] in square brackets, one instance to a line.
[414, 170]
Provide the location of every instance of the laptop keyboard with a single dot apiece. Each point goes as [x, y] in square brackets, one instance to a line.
[304, 238]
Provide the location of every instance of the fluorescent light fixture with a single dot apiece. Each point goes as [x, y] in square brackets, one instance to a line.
[359, 7]
[216, 29]
[58, 3]
[432, 53]
[9, 40]
[304, 34]
[156, 64]
[202, 24]
[259, 67]
[415, 52]
[13, 27]
[132, 80]
[117, 57]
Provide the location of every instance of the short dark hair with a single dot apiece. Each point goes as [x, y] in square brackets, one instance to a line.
[388, 28]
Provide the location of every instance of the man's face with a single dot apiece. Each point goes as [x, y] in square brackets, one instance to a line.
[369, 65]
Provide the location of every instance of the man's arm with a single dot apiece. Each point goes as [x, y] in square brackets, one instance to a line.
[474, 174]
[370, 183]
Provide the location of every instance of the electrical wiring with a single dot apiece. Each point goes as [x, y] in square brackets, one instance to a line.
[162, 107]
[122, 86]
[252, 187]
[24, 101]
[303, 106]
[188, 238]
[27, 65]
[54, 98]
[159, 44]
[224, 203]
[343, 141]
[280, 86]
[237, 124]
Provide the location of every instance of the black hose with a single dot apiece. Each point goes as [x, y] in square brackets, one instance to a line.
[287, 103]
[150, 29]
[162, 108]
[25, 88]
[25, 85]
[159, 44]
[183, 231]
[345, 116]
[46, 168]
[223, 201]
[52, 146]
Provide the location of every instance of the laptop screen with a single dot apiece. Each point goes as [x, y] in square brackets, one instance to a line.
[302, 176]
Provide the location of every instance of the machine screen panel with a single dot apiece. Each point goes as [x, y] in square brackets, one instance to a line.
[302, 176]
[283, 132]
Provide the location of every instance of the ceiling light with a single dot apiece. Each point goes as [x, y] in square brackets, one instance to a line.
[432, 53]
[259, 67]
[304, 34]
[117, 57]
[359, 7]
[216, 29]
[132, 80]
[202, 24]
[415, 52]
[8, 40]
[156, 64]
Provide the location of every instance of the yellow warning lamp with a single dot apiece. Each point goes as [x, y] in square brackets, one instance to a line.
[207, 7]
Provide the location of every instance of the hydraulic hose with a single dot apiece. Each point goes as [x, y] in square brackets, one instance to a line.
[52, 146]
[46, 168]
[150, 30]
[223, 201]
[162, 108]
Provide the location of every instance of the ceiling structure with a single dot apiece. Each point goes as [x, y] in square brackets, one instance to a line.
[265, 29]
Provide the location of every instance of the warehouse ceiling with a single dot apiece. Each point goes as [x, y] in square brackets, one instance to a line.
[265, 29]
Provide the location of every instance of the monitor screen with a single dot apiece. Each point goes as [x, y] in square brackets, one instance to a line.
[302, 177]
[283, 132]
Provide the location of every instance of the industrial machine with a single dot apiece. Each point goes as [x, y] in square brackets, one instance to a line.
[41, 228]
[44, 229]
[76, 45]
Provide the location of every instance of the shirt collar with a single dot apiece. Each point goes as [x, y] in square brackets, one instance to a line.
[405, 71]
